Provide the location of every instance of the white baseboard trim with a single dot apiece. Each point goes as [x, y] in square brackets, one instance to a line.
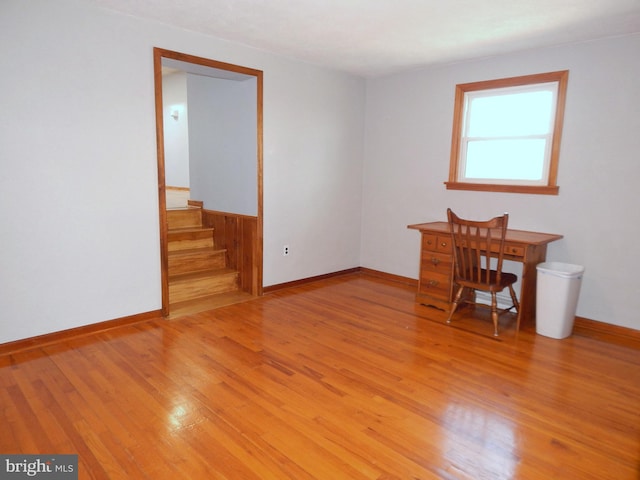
[504, 299]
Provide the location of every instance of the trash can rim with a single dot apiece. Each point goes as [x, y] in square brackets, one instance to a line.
[560, 269]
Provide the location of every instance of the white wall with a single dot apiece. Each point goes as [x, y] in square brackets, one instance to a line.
[78, 179]
[223, 143]
[175, 130]
[407, 143]
[313, 132]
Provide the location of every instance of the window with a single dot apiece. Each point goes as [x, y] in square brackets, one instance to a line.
[506, 134]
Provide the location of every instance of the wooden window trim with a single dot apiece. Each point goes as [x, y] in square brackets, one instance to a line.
[552, 187]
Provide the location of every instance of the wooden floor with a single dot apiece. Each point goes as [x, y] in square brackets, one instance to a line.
[344, 378]
[191, 307]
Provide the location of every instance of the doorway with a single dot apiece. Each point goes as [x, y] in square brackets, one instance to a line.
[244, 201]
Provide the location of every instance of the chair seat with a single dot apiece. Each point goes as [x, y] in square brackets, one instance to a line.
[472, 280]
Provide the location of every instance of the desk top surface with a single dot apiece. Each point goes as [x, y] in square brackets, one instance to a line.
[517, 236]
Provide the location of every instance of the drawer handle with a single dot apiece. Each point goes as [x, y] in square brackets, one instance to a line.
[435, 261]
[433, 283]
[443, 244]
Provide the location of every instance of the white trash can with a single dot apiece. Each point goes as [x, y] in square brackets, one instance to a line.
[558, 288]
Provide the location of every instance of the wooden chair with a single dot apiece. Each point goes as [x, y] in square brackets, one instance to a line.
[478, 248]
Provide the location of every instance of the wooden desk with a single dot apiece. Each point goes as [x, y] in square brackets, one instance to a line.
[435, 284]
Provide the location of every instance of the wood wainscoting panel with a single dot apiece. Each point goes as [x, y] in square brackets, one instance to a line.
[238, 234]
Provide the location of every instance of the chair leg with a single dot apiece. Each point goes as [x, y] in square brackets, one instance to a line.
[514, 299]
[456, 301]
[517, 305]
[494, 313]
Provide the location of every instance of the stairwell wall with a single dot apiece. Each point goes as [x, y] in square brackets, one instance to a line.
[223, 143]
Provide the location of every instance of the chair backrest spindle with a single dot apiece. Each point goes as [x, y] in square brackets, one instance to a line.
[476, 244]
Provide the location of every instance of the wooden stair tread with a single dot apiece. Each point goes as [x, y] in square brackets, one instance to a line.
[198, 271]
[203, 283]
[196, 251]
[184, 218]
[187, 207]
[210, 302]
[190, 229]
[190, 238]
[184, 277]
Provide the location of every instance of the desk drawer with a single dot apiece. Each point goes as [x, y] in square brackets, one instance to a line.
[436, 243]
[435, 284]
[436, 262]
[514, 250]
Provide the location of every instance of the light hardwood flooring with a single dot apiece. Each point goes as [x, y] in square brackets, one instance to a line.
[344, 378]
[191, 307]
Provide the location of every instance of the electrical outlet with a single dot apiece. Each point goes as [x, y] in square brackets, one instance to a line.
[285, 250]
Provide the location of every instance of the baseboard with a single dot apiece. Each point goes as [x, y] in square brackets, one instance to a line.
[389, 276]
[280, 286]
[503, 299]
[55, 337]
[364, 271]
[583, 326]
[625, 336]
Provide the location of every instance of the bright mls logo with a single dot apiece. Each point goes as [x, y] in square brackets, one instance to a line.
[50, 467]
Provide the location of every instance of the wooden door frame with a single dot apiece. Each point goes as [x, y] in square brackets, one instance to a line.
[158, 55]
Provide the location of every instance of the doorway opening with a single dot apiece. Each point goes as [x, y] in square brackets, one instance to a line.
[222, 145]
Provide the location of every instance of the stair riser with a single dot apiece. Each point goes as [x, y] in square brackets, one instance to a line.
[184, 218]
[190, 244]
[196, 263]
[190, 240]
[202, 287]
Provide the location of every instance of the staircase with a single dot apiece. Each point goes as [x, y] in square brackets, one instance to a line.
[198, 272]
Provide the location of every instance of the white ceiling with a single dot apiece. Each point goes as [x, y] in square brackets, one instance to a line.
[377, 37]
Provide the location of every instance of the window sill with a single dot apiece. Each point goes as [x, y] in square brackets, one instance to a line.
[490, 187]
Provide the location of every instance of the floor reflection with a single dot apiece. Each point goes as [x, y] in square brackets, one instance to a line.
[479, 444]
